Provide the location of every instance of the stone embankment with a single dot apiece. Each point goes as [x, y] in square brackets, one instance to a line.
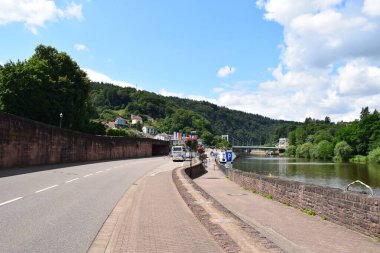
[356, 211]
[25, 142]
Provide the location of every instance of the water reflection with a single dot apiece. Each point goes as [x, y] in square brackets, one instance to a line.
[337, 175]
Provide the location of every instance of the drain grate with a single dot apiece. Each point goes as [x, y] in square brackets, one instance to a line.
[236, 194]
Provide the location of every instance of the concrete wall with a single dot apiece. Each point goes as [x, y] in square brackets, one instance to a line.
[196, 170]
[24, 142]
[356, 211]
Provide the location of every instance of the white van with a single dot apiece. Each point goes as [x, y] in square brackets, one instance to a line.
[178, 153]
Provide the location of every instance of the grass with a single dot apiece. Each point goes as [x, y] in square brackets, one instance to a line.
[309, 212]
[268, 196]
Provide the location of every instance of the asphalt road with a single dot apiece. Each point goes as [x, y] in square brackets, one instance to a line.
[61, 208]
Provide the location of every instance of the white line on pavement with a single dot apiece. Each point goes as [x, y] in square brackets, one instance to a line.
[88, 175]
[10, 201]
[100, 171]
[47, 188]
[72, 180]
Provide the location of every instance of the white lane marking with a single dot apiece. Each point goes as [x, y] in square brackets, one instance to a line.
[88, 175]
[100, 171]
[47, 188]
[10, 201]
[72, 180]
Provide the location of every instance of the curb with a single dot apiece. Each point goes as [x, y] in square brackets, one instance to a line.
[220, 235]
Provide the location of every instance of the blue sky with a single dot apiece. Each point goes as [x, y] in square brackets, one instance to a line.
[279, 58]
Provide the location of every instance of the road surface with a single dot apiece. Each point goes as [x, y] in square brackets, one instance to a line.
[61, 208]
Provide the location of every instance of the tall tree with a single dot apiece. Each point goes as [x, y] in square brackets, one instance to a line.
[47, 84]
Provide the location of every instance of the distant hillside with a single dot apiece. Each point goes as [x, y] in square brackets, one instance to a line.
[177, 114]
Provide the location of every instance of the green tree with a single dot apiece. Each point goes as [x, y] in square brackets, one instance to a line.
[291, 151]
[304, 150]
[325, 150]
[47, 84]
[342, 151]
[374, 155]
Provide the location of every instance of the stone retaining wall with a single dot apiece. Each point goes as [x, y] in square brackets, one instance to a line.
[25, 142]
[356, 211]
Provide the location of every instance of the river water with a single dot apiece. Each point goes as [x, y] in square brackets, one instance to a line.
[337, 175]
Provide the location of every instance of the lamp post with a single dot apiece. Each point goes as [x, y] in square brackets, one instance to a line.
[60, 119]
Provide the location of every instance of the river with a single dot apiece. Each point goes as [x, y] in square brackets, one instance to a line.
[330, 174]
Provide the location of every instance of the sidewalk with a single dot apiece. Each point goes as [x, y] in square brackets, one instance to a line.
[152, 217]
[287, 227]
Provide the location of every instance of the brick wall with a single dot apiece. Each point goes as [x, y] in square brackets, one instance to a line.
[24, 142]
[356, 211]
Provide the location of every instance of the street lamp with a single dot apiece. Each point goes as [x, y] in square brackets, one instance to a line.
[60, 119]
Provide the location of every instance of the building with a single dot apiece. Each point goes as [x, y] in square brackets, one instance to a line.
[150, 119]
[163, 137]
[120, 122]
[136, 119]
[110, 124]
[283, 143]
[148, 130]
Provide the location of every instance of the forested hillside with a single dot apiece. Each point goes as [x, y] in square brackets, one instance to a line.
[185, 115]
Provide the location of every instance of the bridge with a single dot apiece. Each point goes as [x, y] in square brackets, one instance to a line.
[280, 147]
[268, 150]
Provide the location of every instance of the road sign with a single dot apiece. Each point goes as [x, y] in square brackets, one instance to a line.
[229, 156]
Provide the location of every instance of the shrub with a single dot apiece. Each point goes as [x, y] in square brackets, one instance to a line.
[304, 150]
[291, 151]
[359, 159]
[374, 155]
[342, 151]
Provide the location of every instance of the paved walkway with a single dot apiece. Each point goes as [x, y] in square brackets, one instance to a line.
[152, 217]
[289, 228]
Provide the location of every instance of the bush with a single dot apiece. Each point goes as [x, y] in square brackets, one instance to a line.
[374, 155]
[342, 151]
[304, 150]
[291, 151]
[359, 159]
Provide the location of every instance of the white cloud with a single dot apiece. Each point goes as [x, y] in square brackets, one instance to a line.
[371, 8]
[358, 79]
[226, 71]
[81, 47]
[36, 13]
[329, 65]
[100, 77]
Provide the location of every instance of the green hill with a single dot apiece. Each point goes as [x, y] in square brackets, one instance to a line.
[185, 115]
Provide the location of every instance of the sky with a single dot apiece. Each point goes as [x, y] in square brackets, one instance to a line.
[284, 59]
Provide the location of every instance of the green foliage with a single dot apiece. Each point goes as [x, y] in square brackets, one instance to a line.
[325, 150]
[309, 212]
[303, 150]
[45, 85]
[361, 136]
[185, 115]
[374, 155]
[121, 132]
[291, 151]
[358, 159]
[342, 151]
